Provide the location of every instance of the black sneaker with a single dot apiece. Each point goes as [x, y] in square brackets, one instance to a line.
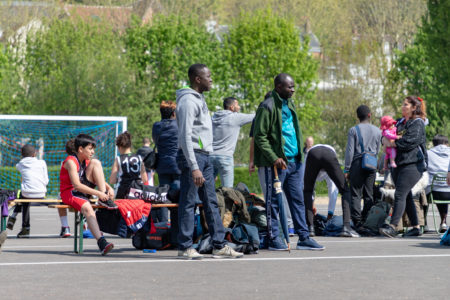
[104, 246]
[24, 233]
[312, 231]
[11, 221]
[109, 204]
[412, 232]
[348, 231]
[65, 232]
[388, 231]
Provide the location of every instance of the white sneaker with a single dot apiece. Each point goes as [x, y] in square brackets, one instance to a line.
[226, 252]
[189, 253]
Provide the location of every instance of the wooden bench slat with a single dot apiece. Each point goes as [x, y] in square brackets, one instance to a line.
[101, 206]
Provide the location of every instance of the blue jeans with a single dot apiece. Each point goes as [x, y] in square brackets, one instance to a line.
[292, 183]
[262, 183]
[173, 180]
[207, 194]
[224, 167]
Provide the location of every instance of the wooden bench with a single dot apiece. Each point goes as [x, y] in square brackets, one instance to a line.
[79, 221]
[18, 201]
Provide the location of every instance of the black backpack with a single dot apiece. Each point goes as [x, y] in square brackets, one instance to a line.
[159, 240]
[150, 160]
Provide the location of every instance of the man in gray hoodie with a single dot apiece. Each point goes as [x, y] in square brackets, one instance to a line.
[197, 177]
[226, 126]
[361, 180]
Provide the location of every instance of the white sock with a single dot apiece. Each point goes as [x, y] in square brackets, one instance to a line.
[64, 222]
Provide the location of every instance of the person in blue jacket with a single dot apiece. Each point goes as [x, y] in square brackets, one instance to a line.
[165, 136]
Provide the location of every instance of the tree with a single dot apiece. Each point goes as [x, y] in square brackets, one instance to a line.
[78, 68]
[10, 89]
[258, 47]
[163, 51]
[424, 69]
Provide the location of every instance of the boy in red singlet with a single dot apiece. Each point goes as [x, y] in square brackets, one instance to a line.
[79, 175]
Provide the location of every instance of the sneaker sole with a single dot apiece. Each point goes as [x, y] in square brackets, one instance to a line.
[407, 236]
[309, 248]
[386, 234]
[107, 249]
[109, 207]
[190, 258]
[226, 257]
[65, 236]
[276, 249]
[349, 235]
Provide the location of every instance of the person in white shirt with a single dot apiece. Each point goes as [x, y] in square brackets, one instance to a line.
[34, 186]
[438, 162]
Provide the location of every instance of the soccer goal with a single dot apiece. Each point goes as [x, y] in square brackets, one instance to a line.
[49, 135]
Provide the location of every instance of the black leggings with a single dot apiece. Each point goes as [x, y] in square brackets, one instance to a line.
[24, 208]
[443, 208]
[323, 158]
[405, 178]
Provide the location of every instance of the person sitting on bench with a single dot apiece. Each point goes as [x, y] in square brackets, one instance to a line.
[78, 177]
[127, 167]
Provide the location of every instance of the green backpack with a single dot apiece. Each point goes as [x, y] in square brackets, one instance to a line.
[377, 216]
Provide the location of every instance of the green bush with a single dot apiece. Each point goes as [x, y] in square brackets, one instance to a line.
[10, 179]
[241, 175]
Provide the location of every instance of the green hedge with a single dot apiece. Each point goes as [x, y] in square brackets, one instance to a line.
[10, 179]
[241, 175]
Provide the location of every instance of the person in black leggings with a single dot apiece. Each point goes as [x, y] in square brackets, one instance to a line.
[411, 162]
[323, 157]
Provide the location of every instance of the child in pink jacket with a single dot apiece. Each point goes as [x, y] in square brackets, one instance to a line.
[390, 132]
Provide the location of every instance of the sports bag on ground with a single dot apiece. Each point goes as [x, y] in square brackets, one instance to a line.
[377, 216]
[159, 240]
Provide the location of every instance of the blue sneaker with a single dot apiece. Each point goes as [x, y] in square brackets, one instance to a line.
[309, 244]
[263, 242]
[87, 234]
[277, 245]
[291, 232]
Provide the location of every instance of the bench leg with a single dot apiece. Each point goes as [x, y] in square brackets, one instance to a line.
[3, 225]
[78, 236]
[75, 237]
[80, 245]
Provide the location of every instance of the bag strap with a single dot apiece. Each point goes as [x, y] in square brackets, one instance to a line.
[361, 144]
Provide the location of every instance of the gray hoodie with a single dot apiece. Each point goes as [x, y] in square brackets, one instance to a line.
[371, 136]
[34, 177]
[438, 162]
[226, 125]
[194, 124]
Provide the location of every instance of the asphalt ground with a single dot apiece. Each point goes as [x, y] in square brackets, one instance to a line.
[44, 267]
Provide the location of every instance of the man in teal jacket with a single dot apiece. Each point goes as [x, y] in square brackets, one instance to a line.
[278, 140]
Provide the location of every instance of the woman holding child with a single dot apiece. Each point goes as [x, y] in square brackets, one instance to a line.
[411, 161]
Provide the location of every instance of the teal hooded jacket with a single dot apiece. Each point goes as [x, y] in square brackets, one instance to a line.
[269, 141]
